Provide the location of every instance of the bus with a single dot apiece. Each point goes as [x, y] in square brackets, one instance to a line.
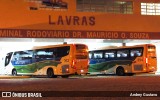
[124, 60]
[55, 60]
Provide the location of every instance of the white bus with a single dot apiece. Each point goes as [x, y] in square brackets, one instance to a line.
[56, 60]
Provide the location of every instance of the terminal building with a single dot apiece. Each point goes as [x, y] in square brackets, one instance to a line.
[98, 19]
[104, 22]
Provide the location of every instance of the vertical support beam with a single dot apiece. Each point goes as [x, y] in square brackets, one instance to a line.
[137, 7]
[123, 44]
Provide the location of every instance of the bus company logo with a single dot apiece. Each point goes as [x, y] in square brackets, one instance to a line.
[47, 5]
[6, 94]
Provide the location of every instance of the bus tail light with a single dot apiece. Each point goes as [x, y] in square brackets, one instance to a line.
[146, 60]
[73, 64]
[67, 70]
[88, 64]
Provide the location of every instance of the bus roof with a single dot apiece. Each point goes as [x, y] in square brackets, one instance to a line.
[48, 46]
[59, 45]
[121, 47]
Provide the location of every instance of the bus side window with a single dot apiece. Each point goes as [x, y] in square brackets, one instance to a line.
[106, 56]
[110, 54]
[43, 54]
[122, 53]
[22, 57]
[90, 55]
[118, 55]
[136, 52]
[15, 59]
[62, 51]
[98, 55]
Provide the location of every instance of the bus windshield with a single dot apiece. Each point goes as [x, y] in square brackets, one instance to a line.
[81, 48]
[81, 51]
[152, 51]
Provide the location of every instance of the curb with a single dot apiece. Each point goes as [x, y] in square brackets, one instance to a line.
[13, 77]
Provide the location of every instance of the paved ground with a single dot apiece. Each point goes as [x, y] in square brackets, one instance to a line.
[99, 87]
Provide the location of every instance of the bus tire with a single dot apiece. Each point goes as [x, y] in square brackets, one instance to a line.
[14, 72]
[50, 73]
[120, 71]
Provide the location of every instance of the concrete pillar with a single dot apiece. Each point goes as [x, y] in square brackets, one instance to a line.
[123, 44]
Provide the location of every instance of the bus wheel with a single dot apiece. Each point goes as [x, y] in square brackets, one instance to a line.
[50, 73]
[120, 71]
[14, 72]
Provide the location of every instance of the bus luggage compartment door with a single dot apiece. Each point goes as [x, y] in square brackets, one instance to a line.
[81, 66]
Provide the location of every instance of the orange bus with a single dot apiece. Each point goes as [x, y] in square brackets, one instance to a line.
[123, 60]
[56, 60]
